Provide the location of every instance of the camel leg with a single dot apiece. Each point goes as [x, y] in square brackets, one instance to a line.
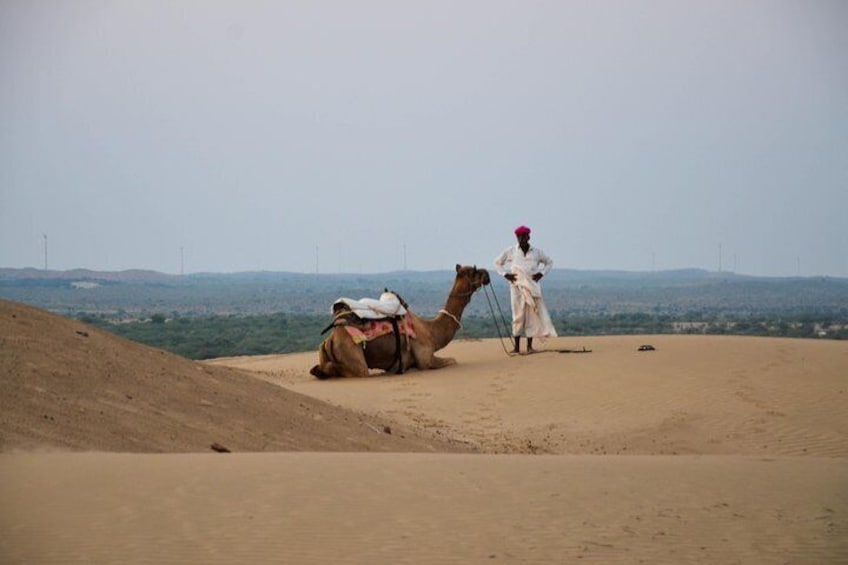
[324, 369]
[425, 358]
[339, 356]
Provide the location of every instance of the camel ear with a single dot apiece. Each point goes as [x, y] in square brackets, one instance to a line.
[458, 267]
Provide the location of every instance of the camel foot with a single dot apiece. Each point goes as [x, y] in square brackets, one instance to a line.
[318, 373]
[440, 362]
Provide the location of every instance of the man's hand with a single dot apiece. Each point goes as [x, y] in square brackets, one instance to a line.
[510, 277]
[537, 277]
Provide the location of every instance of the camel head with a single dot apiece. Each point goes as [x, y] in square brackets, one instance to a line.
[469, 279]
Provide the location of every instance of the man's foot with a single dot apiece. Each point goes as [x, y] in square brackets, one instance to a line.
[530, 350]
[516, 351]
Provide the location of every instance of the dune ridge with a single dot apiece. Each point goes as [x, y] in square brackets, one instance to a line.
[65, 385]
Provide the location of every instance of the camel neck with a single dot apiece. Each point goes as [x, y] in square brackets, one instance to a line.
[447, 325]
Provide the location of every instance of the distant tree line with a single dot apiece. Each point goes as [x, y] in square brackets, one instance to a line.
[570, 294]
[641, 323]
[221, 336]
[205, 316]
[227, 336]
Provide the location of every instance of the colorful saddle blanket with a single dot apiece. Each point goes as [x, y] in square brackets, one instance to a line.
[372, 329]
[374, 318]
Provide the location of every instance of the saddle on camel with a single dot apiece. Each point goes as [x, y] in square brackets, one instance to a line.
[385, 334]
[367, 319]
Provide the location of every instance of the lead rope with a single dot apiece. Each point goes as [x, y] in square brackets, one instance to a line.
[495, 318]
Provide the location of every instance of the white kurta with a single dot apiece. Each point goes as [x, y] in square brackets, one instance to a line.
[530, 317]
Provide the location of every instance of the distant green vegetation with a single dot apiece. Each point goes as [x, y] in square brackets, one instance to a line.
[218, 315]
[227, 336]
[643, 324]
[568, 294]
[221, 336]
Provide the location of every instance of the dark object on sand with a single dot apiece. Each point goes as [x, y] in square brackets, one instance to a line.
[219, 448]
[583, 350]
[647, 348]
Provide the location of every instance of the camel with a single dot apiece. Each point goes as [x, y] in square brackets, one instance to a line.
[339, 356]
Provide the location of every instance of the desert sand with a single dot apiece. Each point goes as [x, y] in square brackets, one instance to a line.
[697, 395]
[706, 450]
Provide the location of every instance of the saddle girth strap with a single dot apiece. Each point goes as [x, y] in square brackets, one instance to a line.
[398, 350]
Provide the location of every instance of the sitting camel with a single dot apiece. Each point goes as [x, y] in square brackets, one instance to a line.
[340, 356]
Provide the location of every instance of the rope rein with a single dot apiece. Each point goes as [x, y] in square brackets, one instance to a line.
[502, 323]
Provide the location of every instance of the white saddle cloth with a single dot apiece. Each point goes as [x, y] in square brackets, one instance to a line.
[386, 306]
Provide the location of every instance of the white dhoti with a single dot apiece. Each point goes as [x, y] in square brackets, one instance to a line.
[530, 317]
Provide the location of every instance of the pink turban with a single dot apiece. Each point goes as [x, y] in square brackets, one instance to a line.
[522, 230]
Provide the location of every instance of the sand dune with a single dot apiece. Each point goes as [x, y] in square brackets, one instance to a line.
[65, 385]
[692, 395]
[707, 450]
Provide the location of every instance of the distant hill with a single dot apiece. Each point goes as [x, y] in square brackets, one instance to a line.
[567, 292]
[134, 275]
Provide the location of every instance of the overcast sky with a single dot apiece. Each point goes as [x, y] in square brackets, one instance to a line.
[365, 136]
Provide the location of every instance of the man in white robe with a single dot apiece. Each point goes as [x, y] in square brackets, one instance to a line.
[524, 266]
